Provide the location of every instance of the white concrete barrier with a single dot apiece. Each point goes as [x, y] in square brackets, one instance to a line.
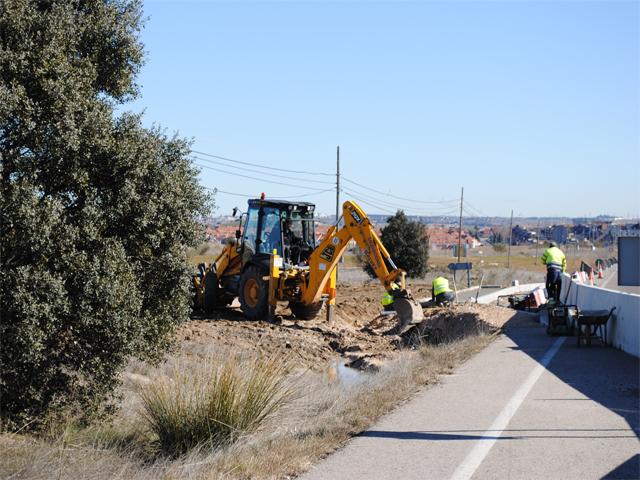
[623, 330]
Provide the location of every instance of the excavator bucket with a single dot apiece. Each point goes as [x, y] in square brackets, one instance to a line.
[409, 313]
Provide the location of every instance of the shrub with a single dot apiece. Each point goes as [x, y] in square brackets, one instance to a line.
[215, 405]
[499, 247]
[407, 244]
[96, 210]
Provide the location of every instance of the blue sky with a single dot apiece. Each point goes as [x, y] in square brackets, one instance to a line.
[531, 106]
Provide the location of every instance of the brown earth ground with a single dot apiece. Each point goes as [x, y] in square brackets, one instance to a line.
[358, 333]
[331, 405]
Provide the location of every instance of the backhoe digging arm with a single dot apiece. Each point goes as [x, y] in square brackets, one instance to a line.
[325, 257]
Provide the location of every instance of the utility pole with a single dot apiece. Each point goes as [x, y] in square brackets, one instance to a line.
[460, 226]
[337, 196]
[510, 234]
[535, 262]
[337, 184]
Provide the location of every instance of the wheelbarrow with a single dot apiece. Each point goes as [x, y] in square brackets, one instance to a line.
[593, 324]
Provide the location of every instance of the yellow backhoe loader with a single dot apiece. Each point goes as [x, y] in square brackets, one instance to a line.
[274, 258]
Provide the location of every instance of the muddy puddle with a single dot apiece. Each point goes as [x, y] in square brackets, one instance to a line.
[340, 373]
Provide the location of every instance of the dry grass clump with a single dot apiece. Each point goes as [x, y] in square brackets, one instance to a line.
[214, 405]
[233, 418]
[321, 423]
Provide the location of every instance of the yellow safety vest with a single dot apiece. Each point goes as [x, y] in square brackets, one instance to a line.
[387, 298]
[553, 257]
[440, 285]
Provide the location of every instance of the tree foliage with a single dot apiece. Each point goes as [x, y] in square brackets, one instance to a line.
[407, 244]
[96, 210]
[496, 237]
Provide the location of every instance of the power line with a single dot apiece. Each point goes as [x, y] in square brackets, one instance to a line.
[469, 213]
[478, 211]
[352, 191]
[386, 208]
[472, 213]
[259, 179]
[396, 205]
[366, 202]
[262, 166]
[442, 202]
[251, 170]
[217, 190]
[379, 203]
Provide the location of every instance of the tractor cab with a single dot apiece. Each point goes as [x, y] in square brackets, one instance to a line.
[276, 225]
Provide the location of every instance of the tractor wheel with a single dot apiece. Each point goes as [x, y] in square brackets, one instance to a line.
[214, 296]
[254, 294]
[305, 312]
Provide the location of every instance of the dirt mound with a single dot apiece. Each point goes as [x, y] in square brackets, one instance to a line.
[359, 334]
[453, 323]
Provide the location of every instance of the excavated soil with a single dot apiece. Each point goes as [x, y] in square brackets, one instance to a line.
[358, 333]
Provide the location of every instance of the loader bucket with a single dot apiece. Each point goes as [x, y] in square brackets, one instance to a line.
[409, 313]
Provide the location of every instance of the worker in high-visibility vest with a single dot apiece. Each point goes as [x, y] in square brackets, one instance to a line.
[387, 298]
[556, 263]
[440, 291]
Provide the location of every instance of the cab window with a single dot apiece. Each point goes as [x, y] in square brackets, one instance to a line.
[270, 234]
[250, 230]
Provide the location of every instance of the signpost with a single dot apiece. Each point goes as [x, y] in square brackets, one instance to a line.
[461, 266]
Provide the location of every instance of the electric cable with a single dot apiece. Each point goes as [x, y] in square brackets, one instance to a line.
[442, 202]
[275, 197]
[445, 208]
[382, 204]
[259, 179]
[366, 202]
[263, 166]
[251, 170]
[478, 211]
[386, 208]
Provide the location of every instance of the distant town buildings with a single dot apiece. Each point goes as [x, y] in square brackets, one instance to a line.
[445, 236]
[556, 233]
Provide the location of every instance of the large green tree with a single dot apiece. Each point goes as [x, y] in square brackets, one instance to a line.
[407, 244]
[96, 209]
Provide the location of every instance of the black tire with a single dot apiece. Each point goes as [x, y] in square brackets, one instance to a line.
[305, 312]
[253, 294]
[214, 296]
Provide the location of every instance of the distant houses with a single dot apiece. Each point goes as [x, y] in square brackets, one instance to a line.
[443, 236]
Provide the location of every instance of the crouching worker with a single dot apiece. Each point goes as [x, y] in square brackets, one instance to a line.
[387, 299]
[441, 294]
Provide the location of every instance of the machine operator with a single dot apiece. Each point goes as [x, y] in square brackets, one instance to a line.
[290, 238]
[293, 244]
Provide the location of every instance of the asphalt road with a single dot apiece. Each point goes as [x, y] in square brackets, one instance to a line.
[610, 282]
[529, 406]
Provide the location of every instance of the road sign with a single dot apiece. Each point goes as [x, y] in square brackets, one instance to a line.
[460, 266]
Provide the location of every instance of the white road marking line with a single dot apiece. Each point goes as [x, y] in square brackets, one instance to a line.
[480, 450]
